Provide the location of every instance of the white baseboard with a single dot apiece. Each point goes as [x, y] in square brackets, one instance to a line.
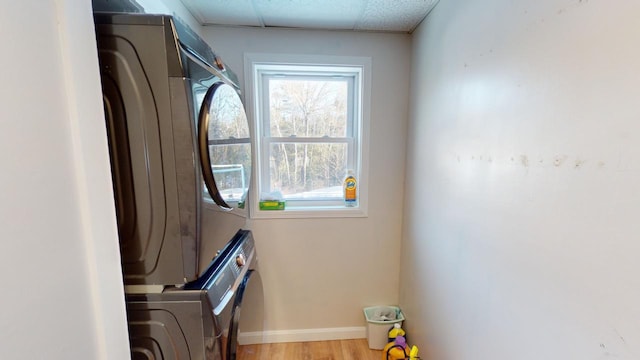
[278, 336]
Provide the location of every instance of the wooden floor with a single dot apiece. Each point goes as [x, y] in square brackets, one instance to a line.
[356, 349]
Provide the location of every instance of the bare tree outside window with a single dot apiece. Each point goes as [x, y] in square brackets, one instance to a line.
[308, 123]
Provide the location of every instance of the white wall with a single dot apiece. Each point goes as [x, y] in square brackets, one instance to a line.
[62, 287]
[320, 273]
[521, 237]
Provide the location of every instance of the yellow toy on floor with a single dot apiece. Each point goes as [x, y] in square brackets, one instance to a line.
[397, 348]
[396, 331]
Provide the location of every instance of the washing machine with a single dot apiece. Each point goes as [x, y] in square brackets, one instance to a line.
[200, 320]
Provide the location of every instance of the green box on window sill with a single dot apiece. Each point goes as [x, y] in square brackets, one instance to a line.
[271, 205]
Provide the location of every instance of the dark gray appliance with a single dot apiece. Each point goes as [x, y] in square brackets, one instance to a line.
[201, 319]
[178, 138]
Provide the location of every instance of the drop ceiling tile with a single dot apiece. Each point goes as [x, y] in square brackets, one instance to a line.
[394, 15]
[327, 14]
[224, 12]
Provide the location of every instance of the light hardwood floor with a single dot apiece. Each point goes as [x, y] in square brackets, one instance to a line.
[356, 349]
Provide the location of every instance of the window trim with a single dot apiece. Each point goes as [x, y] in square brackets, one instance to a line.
[290, 61]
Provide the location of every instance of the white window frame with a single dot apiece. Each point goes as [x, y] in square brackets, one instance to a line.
[359, 68]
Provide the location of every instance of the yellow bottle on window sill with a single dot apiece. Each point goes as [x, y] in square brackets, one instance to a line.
[350, 189]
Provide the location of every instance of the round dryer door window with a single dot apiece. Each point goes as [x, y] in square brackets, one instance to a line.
[225, 146]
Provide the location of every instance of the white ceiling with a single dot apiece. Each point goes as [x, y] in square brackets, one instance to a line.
[363, 15]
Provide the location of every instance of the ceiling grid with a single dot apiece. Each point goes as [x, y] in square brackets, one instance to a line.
[360, 15]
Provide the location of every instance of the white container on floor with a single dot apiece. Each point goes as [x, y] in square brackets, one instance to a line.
[380, 319]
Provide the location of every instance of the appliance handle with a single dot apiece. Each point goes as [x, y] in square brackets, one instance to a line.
[203, 146]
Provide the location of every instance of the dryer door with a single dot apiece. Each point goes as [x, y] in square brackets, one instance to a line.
[249, 299]
[225, 146]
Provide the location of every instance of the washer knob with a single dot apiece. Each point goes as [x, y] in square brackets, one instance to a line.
[241, 260]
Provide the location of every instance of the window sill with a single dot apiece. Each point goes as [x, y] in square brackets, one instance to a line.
[302, 212]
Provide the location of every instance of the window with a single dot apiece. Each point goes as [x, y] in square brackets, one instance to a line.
[310, 129]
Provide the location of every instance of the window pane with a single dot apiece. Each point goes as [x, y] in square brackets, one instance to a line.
[232, 169]
[303, 171]
[308, 108]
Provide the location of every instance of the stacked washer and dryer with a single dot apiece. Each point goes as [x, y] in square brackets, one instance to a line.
[179, 145]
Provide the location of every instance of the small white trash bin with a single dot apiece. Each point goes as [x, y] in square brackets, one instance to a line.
[380, 319]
